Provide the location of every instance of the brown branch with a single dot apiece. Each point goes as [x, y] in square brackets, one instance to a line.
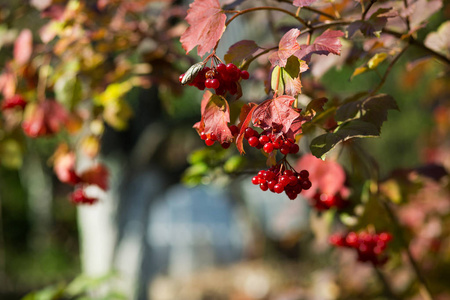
[413, 41]
[366, 10]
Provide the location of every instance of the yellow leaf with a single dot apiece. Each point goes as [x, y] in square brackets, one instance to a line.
[11, 154]
[358, 71]
[117, 113]
[376, 60]
[90, 146]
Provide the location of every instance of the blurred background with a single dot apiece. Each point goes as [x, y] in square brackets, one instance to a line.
[182, 221]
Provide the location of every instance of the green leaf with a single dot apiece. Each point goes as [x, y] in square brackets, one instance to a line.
[234, 163]
[68, 90]
[373, 109]
[356, 128]
[277, 78]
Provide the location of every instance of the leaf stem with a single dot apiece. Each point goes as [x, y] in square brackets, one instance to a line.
[278, 83]
[388, 70]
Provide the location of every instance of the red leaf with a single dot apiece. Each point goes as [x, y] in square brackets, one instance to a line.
[296, 127]
[207, 24]
[275, 113]
[200, 126]
[240, 52]
[97, 175]
[326, 176]
[216, 118]
[64, 166]
[244, 117]
[23, 47]
[288, 45]
[44, 118]
[328, 42]
[301, 3]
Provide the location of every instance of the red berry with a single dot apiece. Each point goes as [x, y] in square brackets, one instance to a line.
[244, 74]
[304, 174]
[203, 135]
[278, 188]
[263, 186]
[213, 136]
[221, 68]
[234, 130]
[253, 141]
[271, 184]
[255, 180]
[208, 84]
[225, 145]
[268, 147]
[249, 132]
[285, 150]
[215, 83]
[264, 139]
[209, 142]
[306, 185]
[294, 149]
[284, 180]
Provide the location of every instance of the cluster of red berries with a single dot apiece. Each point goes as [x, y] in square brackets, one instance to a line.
[322, 201]
[211, 138]
[268, 141]
[289, 181]
[80, 197]
[370, 246]
[221, 78]
[14, 101]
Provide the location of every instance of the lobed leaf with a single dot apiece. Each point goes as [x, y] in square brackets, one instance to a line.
[322, 144]
[241, 51]
[275, 113]
[216, 117]
[207, 24]
[328, 42]
[288, 46]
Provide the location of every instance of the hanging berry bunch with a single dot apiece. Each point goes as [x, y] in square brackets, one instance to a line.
[369, 246]
[220, 77]
[278, 179]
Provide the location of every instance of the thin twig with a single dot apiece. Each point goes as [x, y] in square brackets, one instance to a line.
[387, 288]
[241, 12]
[366, 10]
[408, 24]
[415, 42]
[424, 289]
[388, 70]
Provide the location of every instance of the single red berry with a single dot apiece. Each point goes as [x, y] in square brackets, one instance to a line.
[255, 180]
[215, 83]
[278, 188]
[294, 149]
[264, 139]
[203, 135]
[268, 147]
[249, 132]
[208, 84]
[271, 184]
[244, 74]
[284, 180]
[221, 68]
[225, 145]
[306, 185]
[209, 142]
[213, 136]
[285, 149]
[263, 186]
[234, 130]
[253, 141]
[304, 174]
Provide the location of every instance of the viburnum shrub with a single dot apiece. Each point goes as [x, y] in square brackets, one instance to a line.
[276, 123]
[65, 80]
